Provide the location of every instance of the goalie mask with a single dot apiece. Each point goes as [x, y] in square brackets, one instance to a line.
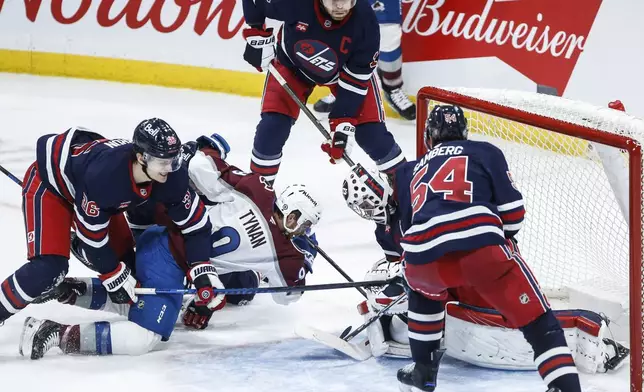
[367, 193]
[300, 209]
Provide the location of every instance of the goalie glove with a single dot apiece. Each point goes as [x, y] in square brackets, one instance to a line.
[379, 297]
[204, 277]
[260, 47]
[342, 137]
[120, 284]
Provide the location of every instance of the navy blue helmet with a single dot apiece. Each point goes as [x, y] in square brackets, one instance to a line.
[444, 123]
[157, 142]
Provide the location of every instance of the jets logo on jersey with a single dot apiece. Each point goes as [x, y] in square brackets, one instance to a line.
[317, 57]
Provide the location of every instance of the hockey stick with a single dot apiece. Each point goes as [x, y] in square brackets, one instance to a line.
[333, 264]
[11, 176]
[358, 351]
[280, 79]
[262, 290]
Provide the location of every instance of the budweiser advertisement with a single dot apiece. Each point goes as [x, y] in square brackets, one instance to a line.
[541, 39]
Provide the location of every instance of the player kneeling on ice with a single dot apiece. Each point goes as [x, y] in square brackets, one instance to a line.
[254, 233]
[473, 332]
[460, 211]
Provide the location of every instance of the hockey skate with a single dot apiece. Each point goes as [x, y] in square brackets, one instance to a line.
[617, 359]
[420, 377]
[399, 101]
[66, 292]
[38, 337]
[325, 104]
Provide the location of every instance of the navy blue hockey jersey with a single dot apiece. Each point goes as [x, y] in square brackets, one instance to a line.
[323, 51]
[94, 175]
[462, 198]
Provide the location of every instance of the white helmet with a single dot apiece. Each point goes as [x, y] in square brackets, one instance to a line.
[367, 192]
[297, 198]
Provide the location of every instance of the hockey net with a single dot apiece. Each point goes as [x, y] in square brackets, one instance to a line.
[579, 168]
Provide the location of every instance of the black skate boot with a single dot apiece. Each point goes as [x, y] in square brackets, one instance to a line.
[399, 101]
[38, 337]
[417, 377]
[325, 104]
[616, 359]
[67, 292]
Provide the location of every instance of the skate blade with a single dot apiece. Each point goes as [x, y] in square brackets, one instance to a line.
[359, 352]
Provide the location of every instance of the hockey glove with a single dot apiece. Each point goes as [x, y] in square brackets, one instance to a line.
[215, 141]
[260, 46]
[342, 136]
[204, 277]
[120, 284]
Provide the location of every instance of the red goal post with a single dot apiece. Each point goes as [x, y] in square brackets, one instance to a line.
[569, 136]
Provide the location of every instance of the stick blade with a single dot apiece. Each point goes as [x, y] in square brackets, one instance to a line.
[359, 352]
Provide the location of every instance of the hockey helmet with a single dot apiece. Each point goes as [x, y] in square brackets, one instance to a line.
[367, 193]
[159, 144]
[297, 199]
[444, 123]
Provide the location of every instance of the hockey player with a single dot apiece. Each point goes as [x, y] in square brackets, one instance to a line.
[322, 42]
[253, 233]
[466, 210]
[85, 181]
[389, 14]
[451, 198]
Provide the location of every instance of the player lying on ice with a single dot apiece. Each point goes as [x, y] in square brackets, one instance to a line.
[514, 337]
[253, 231]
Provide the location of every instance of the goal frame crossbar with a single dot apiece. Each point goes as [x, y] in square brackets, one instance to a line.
[631, 146]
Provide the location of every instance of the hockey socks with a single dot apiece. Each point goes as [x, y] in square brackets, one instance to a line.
[426, 323]
[551, 354]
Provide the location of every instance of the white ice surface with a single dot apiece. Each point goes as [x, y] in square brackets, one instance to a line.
[245, 349]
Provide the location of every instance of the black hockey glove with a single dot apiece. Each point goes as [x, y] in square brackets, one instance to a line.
[120, 284]
[260, 47]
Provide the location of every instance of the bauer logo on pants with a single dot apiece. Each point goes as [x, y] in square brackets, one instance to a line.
[541, 39]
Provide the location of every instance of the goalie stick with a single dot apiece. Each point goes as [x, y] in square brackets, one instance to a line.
[358, 351]
[333, 264]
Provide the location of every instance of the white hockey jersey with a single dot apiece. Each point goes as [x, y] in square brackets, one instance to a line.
[244, 233]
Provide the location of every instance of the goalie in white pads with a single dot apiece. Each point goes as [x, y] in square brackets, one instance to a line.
[254, 232]
[473, 332]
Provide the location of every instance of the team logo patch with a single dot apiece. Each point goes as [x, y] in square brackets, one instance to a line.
[524, 299]
[301, 26]
[31, 236]
[317, 57]
[140, 304]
